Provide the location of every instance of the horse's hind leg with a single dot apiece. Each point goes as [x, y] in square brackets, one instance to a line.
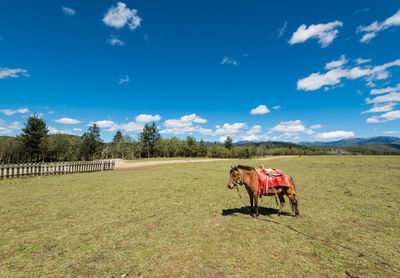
[293, 200]
[281, 203]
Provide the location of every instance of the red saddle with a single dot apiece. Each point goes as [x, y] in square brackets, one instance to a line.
[267, 180]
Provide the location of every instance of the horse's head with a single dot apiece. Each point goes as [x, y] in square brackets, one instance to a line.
[234, 177]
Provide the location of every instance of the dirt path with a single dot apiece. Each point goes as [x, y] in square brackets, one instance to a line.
[122, 164]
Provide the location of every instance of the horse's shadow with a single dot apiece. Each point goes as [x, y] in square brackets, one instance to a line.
[261, 210]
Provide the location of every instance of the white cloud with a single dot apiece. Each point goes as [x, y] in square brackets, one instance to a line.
[68, 121]
[336, 64]
[282, 29]
[120, 15]
[53, 130]
[77, 129]
[260, 110]
[372, 30]
[146, 118]
[15, 125]
[103, 124]
[254, 130]
[289, 126]
[325, 33]
[5, 131]
[68, 11]
[392, 132]
[386, 117]
[185, 125]
[113, 40]
[123, 80]
[360, 61]
[381, 108]
[228, 61]
[137, 125]
[334, 135]
[8, 129]
[230, 129]
[317, 80]
[10, 112]
[385, 90]
[385, 98]
[7, 72]
[277, 107]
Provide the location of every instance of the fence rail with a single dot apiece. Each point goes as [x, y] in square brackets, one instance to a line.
[38, 169]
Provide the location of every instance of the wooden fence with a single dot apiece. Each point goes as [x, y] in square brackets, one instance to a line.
[38, 169]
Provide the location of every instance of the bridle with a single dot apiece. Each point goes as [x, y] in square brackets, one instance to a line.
[239, 181]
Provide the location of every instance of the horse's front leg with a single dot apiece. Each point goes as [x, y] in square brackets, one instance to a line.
[255, 196]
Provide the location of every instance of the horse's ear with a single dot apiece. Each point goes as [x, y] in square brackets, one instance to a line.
[231, 167]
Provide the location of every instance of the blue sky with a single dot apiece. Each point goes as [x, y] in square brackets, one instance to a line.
[287, 71]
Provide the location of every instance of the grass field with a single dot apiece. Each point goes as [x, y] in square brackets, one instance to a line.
[182, 221]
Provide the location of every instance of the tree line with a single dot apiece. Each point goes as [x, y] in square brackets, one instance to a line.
[34, 144]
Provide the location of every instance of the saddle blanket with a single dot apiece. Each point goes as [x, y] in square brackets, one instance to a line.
[268, 179]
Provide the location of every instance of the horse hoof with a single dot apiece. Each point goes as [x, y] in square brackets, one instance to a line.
[278, 214]
[255, 218]
[296, 216]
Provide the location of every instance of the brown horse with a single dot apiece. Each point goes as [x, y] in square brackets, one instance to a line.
[249, 177]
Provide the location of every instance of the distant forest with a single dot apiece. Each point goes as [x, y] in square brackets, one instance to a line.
[34, 144]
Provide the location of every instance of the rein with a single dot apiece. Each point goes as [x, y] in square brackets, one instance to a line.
[236, 184]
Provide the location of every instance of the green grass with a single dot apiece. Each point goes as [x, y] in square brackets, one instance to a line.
[182, 221]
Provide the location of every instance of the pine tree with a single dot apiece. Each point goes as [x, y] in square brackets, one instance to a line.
[228, 143]
[91, 142]
[149, 136]
[34, 132]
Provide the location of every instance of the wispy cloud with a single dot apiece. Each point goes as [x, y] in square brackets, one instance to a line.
[392, 132]
[10, 112]
[123, 80]
[381, 108]
[336, 64]
[384, 98]
[120, 15]
[7, 72]
[325, 33]
[334, 76]
[228, 61]
[113, 40]
[372, 30]
[316, 126]
[361, 11]
[282, 29]
[385, 90]
[386, 117]
[68, 11]
[68, 121]
[360, 61]
[260, 110]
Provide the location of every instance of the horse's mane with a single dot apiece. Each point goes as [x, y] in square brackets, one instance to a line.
[246, 168]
